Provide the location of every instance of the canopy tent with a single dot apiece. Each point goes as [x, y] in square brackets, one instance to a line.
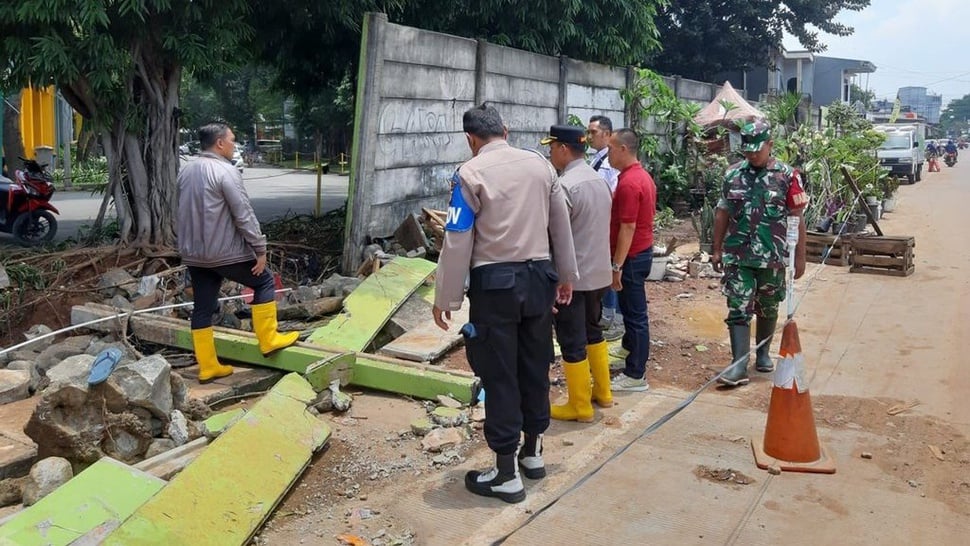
[716, 113]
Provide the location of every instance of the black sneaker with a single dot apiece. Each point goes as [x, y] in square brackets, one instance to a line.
[488, 483]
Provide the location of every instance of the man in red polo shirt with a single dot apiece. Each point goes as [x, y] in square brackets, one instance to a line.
[631, 244]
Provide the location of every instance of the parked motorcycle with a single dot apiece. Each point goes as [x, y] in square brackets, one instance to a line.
[25, 209]
[950, 159]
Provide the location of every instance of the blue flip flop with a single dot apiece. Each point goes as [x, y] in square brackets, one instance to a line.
[103, 365]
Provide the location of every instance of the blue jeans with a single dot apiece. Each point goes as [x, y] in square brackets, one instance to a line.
[609, 304]
[633, 305]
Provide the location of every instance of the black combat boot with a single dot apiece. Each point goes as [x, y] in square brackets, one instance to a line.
[530, 457]
[765, 330]
[501, 481]
[740, 347]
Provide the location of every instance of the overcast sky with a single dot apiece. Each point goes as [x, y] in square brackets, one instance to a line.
[912, 42]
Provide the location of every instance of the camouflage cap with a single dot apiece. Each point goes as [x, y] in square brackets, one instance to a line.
[754, 134]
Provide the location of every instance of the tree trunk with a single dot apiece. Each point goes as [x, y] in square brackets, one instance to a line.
[13, 142]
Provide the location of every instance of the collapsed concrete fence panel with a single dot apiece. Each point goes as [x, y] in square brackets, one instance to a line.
[413, 88]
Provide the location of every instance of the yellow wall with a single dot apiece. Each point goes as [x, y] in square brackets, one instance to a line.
[37, 119]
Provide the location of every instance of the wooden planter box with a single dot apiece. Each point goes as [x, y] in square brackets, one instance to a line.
[817, 243]
[884, 255]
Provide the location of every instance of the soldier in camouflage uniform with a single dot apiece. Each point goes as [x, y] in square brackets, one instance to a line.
[750, 223]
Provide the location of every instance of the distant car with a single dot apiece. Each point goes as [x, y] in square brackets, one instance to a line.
[237, 159]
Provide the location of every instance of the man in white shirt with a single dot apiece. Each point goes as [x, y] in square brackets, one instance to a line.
[599, 132]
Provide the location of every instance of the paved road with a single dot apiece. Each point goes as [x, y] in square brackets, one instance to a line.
[274, 192]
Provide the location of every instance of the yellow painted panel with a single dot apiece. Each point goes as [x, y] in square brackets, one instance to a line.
[37, 119]
[224, 495]
[371, 304]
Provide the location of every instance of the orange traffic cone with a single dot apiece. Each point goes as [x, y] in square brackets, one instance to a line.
[790, 441]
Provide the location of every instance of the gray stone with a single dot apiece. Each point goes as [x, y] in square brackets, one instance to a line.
[98, 345]
[4, 278]
[440, 439]
[146, 384]
[147, 285]
[124, 445]
[45, 476]
[23, 354]
[120, 303]
[178, 428]
[117, 282]
[180, 392]
[448, 401]
[36, 331]
[306, 293]
[14, 385]
[31, 368]
[71, 369]
[341, 400]
[449, 417]
[5, 359]
[12, 491]
[478, 414]
[323, 401]
[348, 285]
[159, 446]
[422, 426]
[53, 355]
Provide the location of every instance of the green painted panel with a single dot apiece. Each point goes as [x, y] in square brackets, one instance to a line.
[321, 373]
[241, 348]
[416, 381]
[371, 304]
[224, 496]
[106, 491]
[221, 421]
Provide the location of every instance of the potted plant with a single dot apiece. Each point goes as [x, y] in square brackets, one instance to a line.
[703, 222]
[890, 184]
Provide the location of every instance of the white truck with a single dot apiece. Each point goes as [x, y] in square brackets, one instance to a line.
[903, 152]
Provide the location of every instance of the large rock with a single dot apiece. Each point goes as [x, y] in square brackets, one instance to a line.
[45, 476]
[71, 369]
[4, 278]
[14, 385]
[159, 446]
[53, 355]
[147, 384]
[38, 331]
[70, 419]
[31, 368]
[117, 282]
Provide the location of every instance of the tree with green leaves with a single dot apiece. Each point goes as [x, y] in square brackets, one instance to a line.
[702, 39]
[956, 116]
[119, 64]
[863, 96]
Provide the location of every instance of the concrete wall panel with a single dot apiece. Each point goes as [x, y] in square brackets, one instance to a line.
[408, 81]
[419, 149]
[399, 116]
[521, 64]
[416, 46]
[595, 75]
[505, 89]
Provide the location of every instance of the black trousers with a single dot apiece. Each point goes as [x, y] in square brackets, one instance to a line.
[511, 312]
[206, 282]
[578, 324]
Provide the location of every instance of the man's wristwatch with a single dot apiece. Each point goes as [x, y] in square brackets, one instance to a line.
[617, 267]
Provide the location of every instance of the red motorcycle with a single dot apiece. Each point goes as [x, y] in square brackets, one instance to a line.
[25, 209]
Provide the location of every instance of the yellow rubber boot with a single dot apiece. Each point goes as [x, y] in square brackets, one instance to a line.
[599, 367]
[264, 324]
[204, 342]
[578, 408]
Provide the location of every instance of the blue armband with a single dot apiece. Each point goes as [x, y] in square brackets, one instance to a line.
[461, 217]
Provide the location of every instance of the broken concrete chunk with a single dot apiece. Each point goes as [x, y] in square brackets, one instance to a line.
[14, 385]
[53, 355]
[127, 445]
[215, 425]
[306, 293]
[71, 369]
[449, 417]
[31, 368]
[147, 384]
[45, 476]
[341, 400]
[440, 439]
[37, 331]
[117, 282]
[147, 285]
[422, 426]
[478, 414]
[178, 428]
[120, 303]
[448, 401]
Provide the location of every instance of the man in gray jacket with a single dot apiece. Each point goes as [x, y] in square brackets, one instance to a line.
[219, 238]
[585, 358]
